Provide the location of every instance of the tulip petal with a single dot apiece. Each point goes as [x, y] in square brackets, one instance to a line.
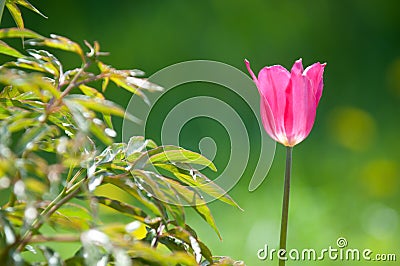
[267, 119]
[300, 106]
[315, 74]
[272, 82]
[251, 71]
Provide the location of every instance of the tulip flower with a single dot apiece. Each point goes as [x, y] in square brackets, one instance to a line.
[289, 100]
[288, 106]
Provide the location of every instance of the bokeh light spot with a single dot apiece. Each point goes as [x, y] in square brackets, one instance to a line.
[380, 221]
[352, 127]
[381, 178]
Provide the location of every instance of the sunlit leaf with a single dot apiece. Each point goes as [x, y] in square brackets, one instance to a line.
[162, 191]
[199, 248]
[15, 13]
[36, 186]
[91, 92]
[125, 208]
[108, 120]
[7, 50]
[142, 251]
[47, 60]
[182, 156]
[9, 92]
[144, 84]
[131, 188]
[136, 146]
[28, 5]
[33, 135]
[199, 181]
[226, 261]
[71, 216]
[100, 133]
[18, 33]
[195, 200]
[119, 77]
[105, 84]
[97, 104]
[58, 42]
[7, 229]
[174, 154]
[29, 82]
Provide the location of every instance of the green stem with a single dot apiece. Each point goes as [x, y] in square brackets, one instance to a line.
[285, 205]
[59, 201]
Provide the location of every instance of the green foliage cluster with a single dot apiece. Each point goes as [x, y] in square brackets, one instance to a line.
[53, 122]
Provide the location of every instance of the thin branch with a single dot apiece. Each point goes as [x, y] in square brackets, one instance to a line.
[91, 79]
[39, 222]
[55, 238]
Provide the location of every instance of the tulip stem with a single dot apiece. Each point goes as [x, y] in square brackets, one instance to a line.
[285, 204]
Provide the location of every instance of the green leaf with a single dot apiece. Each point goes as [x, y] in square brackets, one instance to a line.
[175, 154]
[108, 120]
[18, 33]
[104, 84]
[162, 191]
[226, 261]
[15, 13]
[199, 248]
[91, 92]
[97, 104]
[2, 4]
[199, 182]
[75, 261]
[9, 92]
[100, 133]
[139, 250]
[48, 62]
[28, 5]
[136, 146]
[33, 135]
[63, 120]
[71, 216]
[142, 83]
[58, 42]
[29, 82]
[196, 202]
[116, 150]
[132, 189]
[120, 78]
[7, 229]
[7, 50]
[125, 208]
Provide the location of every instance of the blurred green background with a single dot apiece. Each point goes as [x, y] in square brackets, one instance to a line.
[346, 174]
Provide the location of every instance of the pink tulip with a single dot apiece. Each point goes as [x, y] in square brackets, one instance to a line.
[289, 100]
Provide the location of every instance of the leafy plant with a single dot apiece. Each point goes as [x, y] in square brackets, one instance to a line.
[53, 123]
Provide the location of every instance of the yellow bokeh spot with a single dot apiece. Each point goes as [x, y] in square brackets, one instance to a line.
[381, 178]
[352, 127]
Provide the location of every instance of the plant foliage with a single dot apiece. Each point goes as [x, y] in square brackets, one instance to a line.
[53, 123]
